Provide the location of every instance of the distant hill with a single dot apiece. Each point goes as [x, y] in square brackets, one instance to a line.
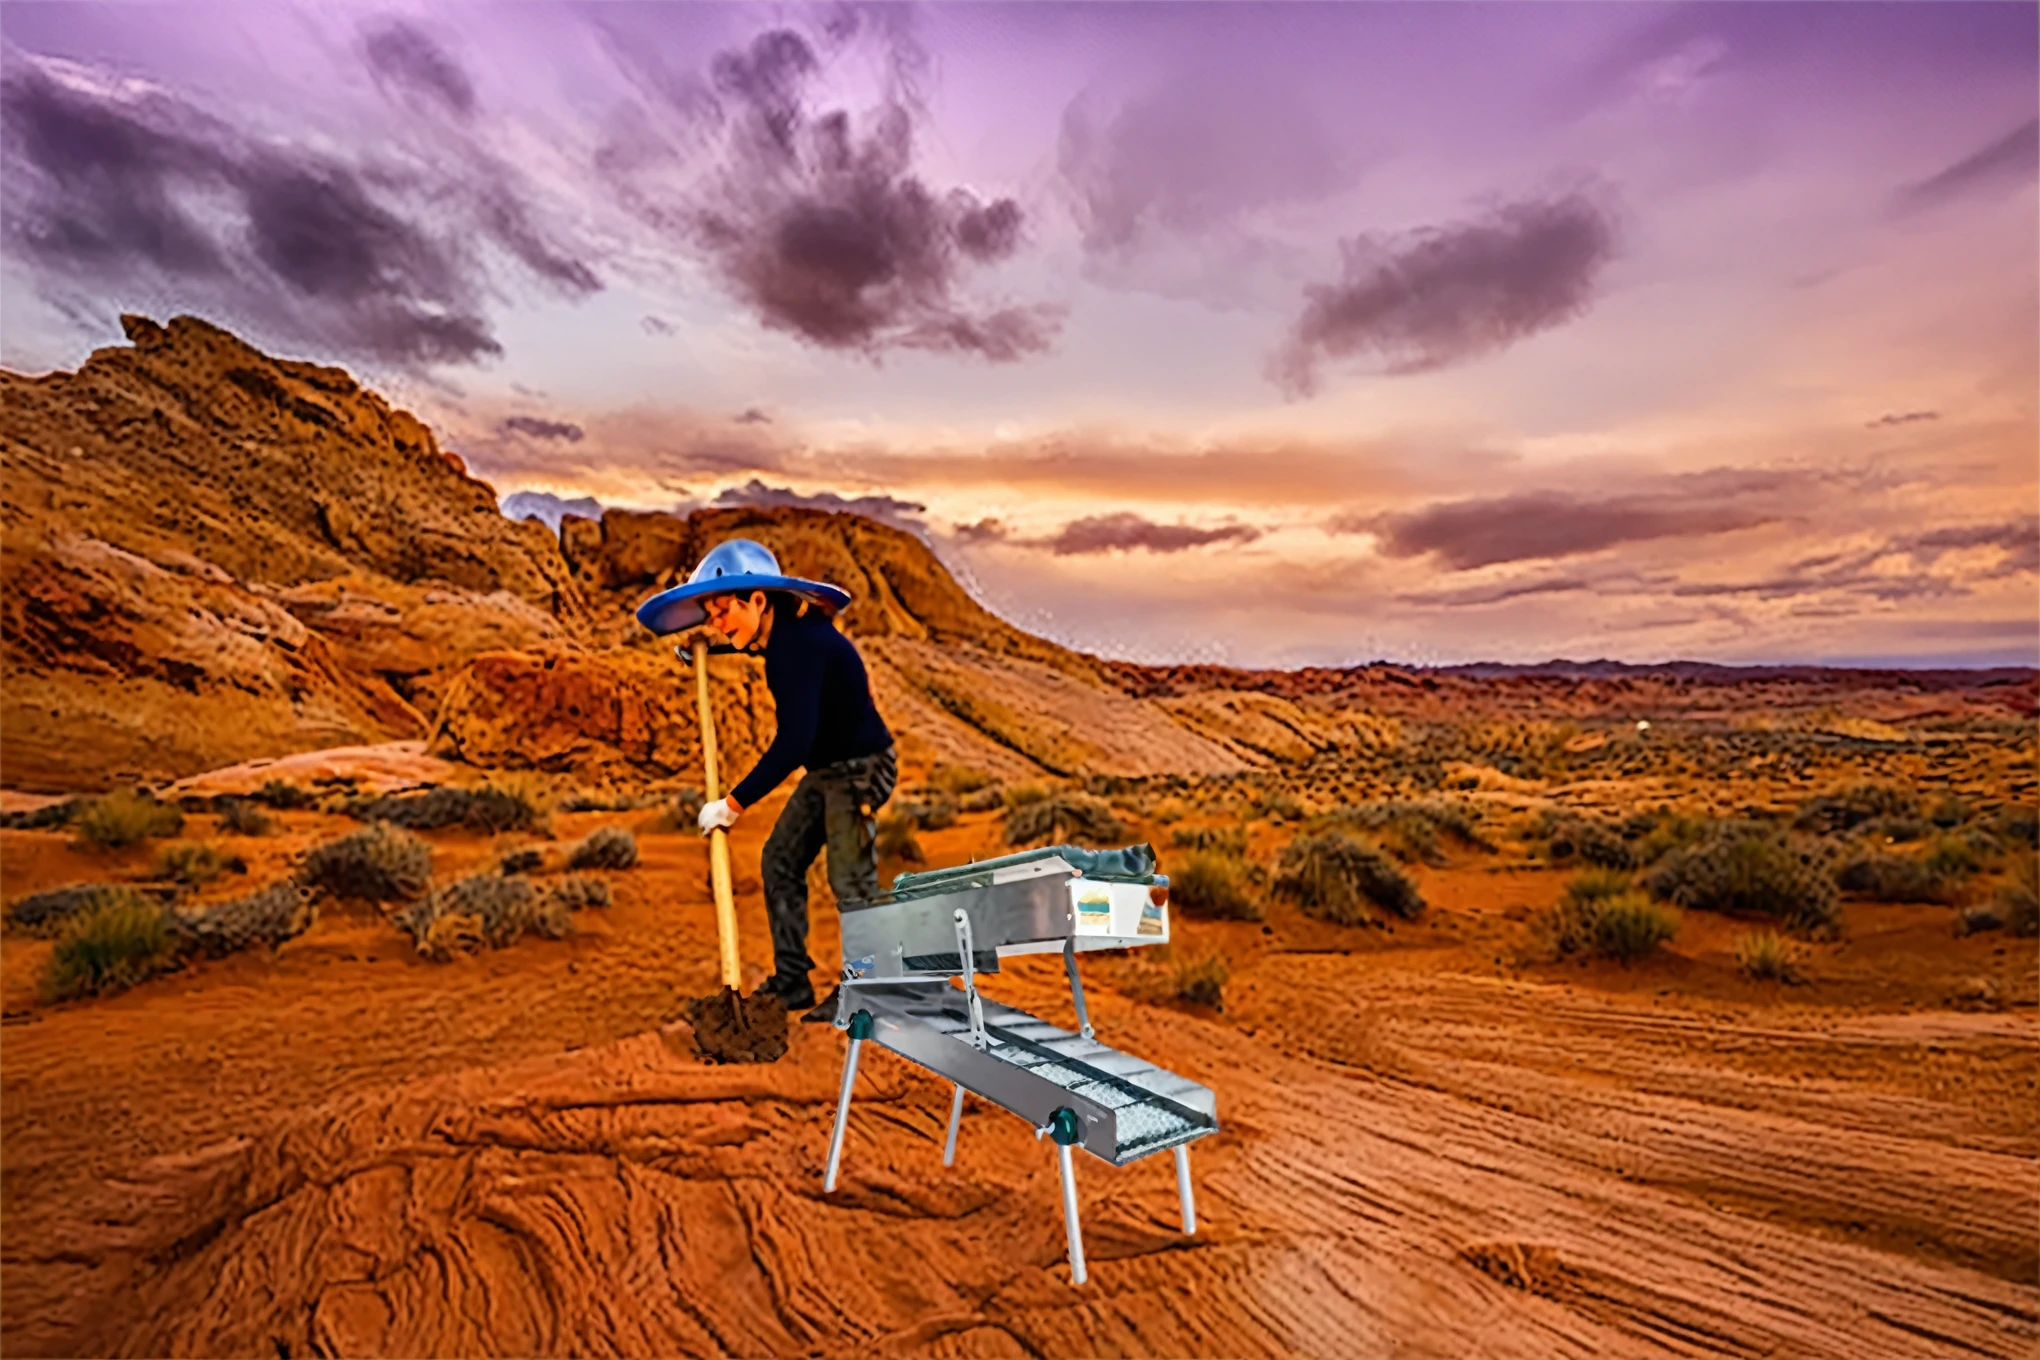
[212, 555]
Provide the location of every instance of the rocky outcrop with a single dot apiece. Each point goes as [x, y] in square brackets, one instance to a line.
[278, 472]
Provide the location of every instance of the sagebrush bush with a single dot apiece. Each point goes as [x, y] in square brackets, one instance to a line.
[1278, 805]
[1215, 885]
[525, 860]
[984, 800]
[1850, 807]
[1170, 810]
[607, 847]
[1202, 981]
[47, 913]
[1222, 840]
[1900, 830]
[1624, 925]
[1767, 956]
[285, 797]
[485, 908]
[379, 863]
[117, 942]
[930, 812]
[1409, 830]
[1061, 819]
[1750, 869]
[123, 818]
[244, 817]
[491, 809]
[577, 891]
[1951, 860]
[896, 840]
[1670, 831]
[274, 914]
[2018, 825]
[1571, 838]
[959, 780]
[1890, 878]
[2018, 897]
[194, 864]
[1949, 812]
[1334, 875]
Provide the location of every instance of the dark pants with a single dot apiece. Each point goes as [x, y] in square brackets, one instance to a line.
[836, 806]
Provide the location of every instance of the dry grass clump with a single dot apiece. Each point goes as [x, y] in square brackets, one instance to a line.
[1215, 885]
[607, 847]
[118, 941]
[243, 817]
[1768, 957]
[194, 865]
[1750, 869]
[47, 913]
[276, 913]
[1603, 916]
[1566, 837]
[579, 891]
[1169, 810]
[494, 808]
[896, 840]
[959, 780]
[2018, 898]
[379, 863]
[1202, 981]
[1848, 808]
[1225, 840]
[525, 859]
[1062, 818]
[484, 911]
[930, 809]
[1410, 830]
[1335, 875]
[123, 818]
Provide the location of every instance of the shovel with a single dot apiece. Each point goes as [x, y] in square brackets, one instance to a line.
[727, 1027]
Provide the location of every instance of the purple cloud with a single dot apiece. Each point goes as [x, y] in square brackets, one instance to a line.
[2012, 159]
[1445, 295]
[544, 429]
[404, 57]
[1126, 531]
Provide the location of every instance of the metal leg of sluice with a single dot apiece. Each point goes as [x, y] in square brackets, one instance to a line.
[860, 1030]
[1077, 988]
[1183, 1189]
[955, 1118]
[1076, 1234]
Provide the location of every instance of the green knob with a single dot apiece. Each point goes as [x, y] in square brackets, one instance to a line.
[860, 1025]
[1062, 1126]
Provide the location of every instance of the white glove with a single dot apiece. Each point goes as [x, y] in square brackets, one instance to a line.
[718, 813]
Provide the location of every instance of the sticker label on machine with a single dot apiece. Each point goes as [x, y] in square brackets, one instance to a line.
[1117, 909]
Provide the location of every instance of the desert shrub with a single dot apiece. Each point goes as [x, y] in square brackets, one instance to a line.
[577, 891]
[1571, 838]
[1903, 830]
[1950, 811]
[2018, 898]
[491, 809]
[1623, 924]
[486, 908]
[1749, 869]
[2018, 825]
[1213, 885]
[1202, 981]
[984, 800]
[276, 913]
[1224, 840]
[1409, 830]
[380, 863]
[42, 818]
[506, 805]
[1669, 831]
[1848, 808]
[1951, 859]
[525, 860]
[243, 817]
[194, 865]
[117, 942]
[1333, 874]
[932, 812]
[125, 818]
[608, 847]
[1170, 810]
[1278, 805]
[609, 802]
[47, 913]
[1062, 818]
[1976, 920]
[959, 780]
[1890, 878]
[284, 797]
[896, 840]
[1594, 885]
[1767, 956]
[1022, 795]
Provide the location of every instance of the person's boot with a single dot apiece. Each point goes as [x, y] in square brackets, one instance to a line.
[795, 994]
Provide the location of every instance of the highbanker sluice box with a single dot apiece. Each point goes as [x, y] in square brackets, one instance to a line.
[902, 949]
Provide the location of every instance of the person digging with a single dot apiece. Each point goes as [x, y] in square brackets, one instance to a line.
[827, 724]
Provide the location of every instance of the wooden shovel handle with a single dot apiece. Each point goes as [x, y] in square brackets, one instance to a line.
[718, 839]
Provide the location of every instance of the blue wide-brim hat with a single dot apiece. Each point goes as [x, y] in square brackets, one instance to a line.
[737, 567]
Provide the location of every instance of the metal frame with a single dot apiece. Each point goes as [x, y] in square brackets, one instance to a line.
[1068, 1086]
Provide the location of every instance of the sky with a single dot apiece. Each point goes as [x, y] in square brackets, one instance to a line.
[1262, 334]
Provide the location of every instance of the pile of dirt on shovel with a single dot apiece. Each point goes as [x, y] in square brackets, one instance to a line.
[733, 1029]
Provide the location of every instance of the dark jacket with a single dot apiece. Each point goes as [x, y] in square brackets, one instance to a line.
[823, 695]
